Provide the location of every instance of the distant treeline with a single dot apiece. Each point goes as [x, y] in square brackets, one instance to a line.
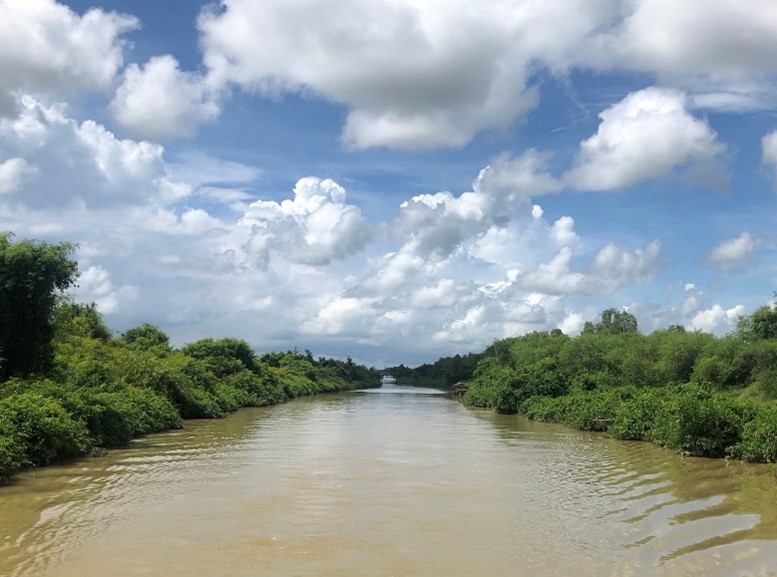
[690, 391]
[442, 374]
[69, 387]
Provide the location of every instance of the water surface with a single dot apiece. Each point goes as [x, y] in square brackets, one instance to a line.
[388, 482]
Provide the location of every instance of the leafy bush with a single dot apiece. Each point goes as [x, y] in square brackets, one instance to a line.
[44, 427]
[636, 418]
[703, 423]
[12, 455]
[758, 442]
[594, 411]
[544, 409]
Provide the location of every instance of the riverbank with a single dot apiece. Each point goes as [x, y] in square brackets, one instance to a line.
[694, 392]
[105, 392]
[691, 419]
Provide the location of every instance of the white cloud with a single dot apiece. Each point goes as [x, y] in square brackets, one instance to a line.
[695, 41]
[769, 149]
[421, 73]
[314, 228]
[515, 178]
[649, 134]
[716, 319]
[340, 314]
[95, 285]
[442, 294]
[393, 270]
[440, 224]
[695, 310]
[159, 101]
[734, 251]
[614, 264]
[48, 48]
[612, 268]
[572, 324]
[67, 164]
[412, 74]
[563, 231]
[13, 172]
[557, 275]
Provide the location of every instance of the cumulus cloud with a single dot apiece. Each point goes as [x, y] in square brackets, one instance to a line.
[453, 271]
[572, 324]
[687, 305]
[339, 314]
[511, 315]
[734, 251]
[63, 163]
[13, 172]
[411, 74]
[769, 149]
[441, 294]
[419, 74]
[716, 319]
[48, 48]
[698, 44]
[611, 268]
[158, 100]
[316, 227]
[95, 285]
[614, 264]
[649, 134]
[516, 178]
[439, 224]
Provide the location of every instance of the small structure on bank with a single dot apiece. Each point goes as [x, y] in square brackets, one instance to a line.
[459, 389]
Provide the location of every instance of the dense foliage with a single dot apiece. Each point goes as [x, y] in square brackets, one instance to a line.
[73, 388]
[690, 391]
[32, 275]
[443, 373]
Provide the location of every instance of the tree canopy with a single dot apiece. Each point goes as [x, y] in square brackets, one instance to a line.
[761, 325]
[32, 276]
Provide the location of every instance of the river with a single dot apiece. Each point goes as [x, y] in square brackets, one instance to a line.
[392, 483]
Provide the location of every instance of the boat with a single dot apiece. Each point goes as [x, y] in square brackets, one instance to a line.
[387, 379]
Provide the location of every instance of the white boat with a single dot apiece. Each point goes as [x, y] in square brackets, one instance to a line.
[387, 379]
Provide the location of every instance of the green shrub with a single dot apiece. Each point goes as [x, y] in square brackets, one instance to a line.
[759, 438]
[544, 409]
[12, 455]
[109, 422]
[45, 428]
[766, 384]
[592, 411]
[703, 423]
[635, 419]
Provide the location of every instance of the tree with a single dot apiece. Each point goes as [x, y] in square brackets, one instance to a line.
[81, 320]
[761, 325]
[33, 274]
[613, 322]
[145, 337]
[223, 356]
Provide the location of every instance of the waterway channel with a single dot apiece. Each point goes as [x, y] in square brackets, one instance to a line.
[391, 482]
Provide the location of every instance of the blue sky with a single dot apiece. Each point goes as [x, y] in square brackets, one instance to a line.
[396, 180]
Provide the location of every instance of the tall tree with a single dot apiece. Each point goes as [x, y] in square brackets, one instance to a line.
[761, 325]
[33, 275]
[146, 337]
[613, 322]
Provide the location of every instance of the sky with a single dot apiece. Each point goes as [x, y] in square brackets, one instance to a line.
[396, 180]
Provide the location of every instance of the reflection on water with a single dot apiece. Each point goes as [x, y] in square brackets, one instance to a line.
[394, 482]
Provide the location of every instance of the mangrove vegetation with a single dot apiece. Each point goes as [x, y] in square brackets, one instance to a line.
[68, 387]
[686, 390]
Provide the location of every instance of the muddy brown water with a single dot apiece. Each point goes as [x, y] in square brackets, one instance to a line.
[395, 483]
